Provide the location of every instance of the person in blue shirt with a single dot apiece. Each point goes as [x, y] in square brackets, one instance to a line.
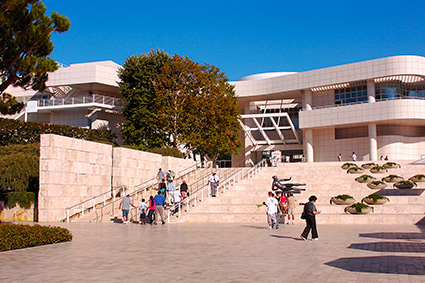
[159, 208]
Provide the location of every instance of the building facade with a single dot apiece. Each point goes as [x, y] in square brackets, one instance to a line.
[83, 95]
[374, 108]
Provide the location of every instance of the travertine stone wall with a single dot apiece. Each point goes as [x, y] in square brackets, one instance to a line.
[71, 170]
[133, 167]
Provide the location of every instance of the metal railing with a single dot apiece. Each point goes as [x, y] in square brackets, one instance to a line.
[363, 102]
[233, 176]
[92, 202]
[100, 99]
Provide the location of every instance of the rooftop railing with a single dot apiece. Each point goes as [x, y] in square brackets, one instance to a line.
[99, 99]
[364, 102]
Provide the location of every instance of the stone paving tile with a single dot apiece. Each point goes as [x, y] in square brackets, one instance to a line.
[111, 252]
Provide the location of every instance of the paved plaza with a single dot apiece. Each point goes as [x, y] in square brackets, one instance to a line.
[113, 252]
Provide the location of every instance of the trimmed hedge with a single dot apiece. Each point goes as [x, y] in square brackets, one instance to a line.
[19, 132]
[167, 151]
[24, 199]
[19, 168]
[14, 237]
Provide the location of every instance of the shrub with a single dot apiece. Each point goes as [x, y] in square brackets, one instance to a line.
[348, 165]
[391, 165]
[358, 206]
[19, 132]
[365, 178]
[24, 199]
[343, 197]
[19, 168]
[167, 151]
[375, 197]
[369, 165]
[23, 236]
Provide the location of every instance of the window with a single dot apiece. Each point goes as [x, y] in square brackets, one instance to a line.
[351, 95]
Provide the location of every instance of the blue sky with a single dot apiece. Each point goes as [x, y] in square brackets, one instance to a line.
[241, 37]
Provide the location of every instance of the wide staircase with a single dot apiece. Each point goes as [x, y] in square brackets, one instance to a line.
[325, 180]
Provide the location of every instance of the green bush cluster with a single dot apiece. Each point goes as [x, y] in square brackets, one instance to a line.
[19, 132]
[23, 236]
[167, 151]
[19, 168]
[24, 199]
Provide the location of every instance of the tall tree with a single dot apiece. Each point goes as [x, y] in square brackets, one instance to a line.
[193, 105]
[143, 126]
[25, 43]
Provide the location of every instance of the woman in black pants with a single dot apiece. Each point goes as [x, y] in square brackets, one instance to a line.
[310, 212]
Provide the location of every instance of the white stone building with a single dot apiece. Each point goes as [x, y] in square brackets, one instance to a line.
[373, 108]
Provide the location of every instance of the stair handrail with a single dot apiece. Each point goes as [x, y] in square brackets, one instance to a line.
[94, 201]
[231, 180]
[151, 183]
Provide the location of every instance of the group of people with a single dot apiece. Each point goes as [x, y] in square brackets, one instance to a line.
[280, 204]
[153, 210]
[172, 193]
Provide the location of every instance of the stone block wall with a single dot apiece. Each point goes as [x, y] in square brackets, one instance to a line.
[73, 170]
[133, 167]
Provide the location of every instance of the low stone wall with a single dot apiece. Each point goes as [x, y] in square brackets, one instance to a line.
[17, 214]
[73, 170]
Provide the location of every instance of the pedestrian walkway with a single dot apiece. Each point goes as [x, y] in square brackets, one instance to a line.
[112, 252]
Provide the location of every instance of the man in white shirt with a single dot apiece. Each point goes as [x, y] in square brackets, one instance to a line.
[271, 204]
[177, 199]
[213, 180]
[171, 188]
[143, 207]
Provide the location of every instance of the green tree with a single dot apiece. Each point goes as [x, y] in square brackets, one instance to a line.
[25, 43]
[143, 127]
[9, 104]
[192, 105]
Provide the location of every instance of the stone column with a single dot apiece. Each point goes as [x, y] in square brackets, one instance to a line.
[372, 142]
[371, 91]
[307, 99]
[309, 145]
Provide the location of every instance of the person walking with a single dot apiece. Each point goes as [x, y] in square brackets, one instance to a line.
[271, 204]
[171, 188]
[184, 189]
[340, 157]
[125, 204]
[213, 180]
[160, 176]
[291, 203]
[159, 208]
[151, 209]
[354, 156]
[177, 200]
[143, 207]
[310, 212]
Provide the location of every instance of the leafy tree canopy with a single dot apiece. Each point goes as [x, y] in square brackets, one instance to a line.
[25, 43]
[174, 101]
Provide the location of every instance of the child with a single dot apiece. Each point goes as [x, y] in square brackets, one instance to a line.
[143, 206]
[271, 204]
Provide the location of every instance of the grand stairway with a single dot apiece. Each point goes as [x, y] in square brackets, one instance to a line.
[325, 180]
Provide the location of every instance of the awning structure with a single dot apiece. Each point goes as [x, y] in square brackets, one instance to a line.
[270, 126]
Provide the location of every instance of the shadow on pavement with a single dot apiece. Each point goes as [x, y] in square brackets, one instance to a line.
[382, 264]
[400, 192]
[394, 235]
[397, 247]
[286, 237]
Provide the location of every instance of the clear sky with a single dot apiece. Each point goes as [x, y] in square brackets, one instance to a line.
[242, 37]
